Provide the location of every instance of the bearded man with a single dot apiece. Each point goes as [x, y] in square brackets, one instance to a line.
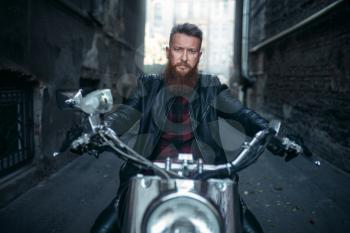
[178, 112]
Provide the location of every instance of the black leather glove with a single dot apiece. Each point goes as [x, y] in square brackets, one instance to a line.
[94, 147]
[277, 147]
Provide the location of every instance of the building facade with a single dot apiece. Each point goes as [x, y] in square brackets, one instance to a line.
[299, 57]
[48, 46]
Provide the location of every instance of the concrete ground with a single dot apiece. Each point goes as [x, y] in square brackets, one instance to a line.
[293, 197]
[297, 197]
[68, 201]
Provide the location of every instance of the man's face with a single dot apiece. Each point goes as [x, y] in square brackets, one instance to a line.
[183, 53]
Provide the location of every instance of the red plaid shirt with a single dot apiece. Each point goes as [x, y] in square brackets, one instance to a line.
[177, 136]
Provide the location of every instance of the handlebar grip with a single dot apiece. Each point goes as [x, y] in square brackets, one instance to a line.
[71, 136]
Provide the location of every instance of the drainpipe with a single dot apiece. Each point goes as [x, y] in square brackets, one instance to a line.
[311, 19]
[246, 80]
[237, 46]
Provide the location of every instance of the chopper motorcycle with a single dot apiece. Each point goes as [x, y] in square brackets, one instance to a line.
[182, 195]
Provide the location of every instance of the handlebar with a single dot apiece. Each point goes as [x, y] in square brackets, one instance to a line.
[248, 154]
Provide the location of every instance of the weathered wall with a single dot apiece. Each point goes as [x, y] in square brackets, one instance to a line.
[68, 44]
[304, 78]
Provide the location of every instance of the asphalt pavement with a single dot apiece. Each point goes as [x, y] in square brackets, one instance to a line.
[293, 197]
[68, 201]
[297, 196]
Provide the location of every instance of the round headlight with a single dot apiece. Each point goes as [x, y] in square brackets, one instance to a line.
[182, 213]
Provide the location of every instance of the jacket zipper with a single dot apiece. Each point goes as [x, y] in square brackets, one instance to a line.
[194, 132]
[159, 131]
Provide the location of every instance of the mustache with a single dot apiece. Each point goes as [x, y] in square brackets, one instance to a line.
[183, 64]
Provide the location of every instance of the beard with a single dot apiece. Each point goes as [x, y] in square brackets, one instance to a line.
[179, 84]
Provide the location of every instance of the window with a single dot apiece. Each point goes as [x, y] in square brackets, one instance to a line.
[16, 125]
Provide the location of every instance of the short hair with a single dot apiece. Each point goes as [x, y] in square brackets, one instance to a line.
[188, 29]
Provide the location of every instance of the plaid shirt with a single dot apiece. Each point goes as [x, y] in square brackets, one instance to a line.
[177, 136]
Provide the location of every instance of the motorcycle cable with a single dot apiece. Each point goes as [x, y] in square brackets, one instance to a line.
[138, 158]
[244, 158]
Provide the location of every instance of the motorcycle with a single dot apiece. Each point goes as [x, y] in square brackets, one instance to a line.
[183, 195]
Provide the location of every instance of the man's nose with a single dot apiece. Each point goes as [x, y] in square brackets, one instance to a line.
[184, 56]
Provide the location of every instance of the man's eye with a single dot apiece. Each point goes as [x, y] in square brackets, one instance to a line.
[177, 49]
[193, 51]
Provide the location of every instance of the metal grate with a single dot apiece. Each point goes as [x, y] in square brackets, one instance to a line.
[16, 129]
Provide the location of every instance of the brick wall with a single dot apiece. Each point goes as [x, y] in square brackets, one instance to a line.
[304, 78]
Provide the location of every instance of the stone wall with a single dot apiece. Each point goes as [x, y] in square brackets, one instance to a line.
[67, 44]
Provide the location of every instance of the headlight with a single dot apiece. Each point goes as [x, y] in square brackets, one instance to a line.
[100, 101]
[182, 213]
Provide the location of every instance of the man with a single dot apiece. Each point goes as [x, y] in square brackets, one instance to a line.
[178, 112]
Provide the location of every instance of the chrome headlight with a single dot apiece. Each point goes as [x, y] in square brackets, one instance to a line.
[182, 213]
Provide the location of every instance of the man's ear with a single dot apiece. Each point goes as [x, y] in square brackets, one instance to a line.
[167, 51]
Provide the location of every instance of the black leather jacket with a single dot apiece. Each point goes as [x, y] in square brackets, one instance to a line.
[150, 103]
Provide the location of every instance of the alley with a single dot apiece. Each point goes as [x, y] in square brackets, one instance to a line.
[286, 60]
[293, 197]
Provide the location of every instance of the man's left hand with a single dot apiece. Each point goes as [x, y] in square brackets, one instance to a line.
[288, 147]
